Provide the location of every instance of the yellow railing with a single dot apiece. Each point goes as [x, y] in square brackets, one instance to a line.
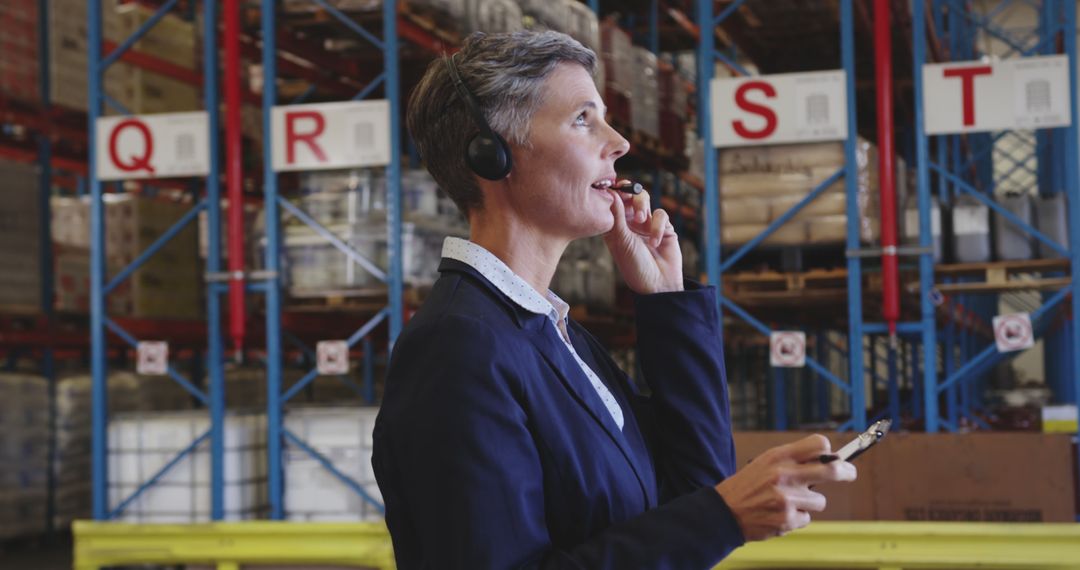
[881, 545]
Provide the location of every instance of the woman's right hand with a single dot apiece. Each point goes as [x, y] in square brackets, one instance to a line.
[772, 495]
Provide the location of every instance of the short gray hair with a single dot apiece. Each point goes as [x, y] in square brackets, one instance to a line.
[506, 74]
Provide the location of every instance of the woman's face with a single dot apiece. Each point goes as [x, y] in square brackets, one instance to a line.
[571, 149]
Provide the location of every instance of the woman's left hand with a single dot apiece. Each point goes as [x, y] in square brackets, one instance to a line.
[644, 245]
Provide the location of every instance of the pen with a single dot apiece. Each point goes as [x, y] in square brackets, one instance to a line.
[629, 187]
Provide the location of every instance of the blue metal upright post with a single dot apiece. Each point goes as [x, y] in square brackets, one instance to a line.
[854, 263]
[393, 170]
[705, 57]
[215, 350]
[926, 260]
[99, 386]
[275, 475]
[1072, 182]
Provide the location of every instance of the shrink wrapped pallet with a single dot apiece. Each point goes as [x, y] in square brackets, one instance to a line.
[20, 244]
[492, 16]
[783, 176]
[344, 437]
[141, 444]
[168, 285]
[644, 98]
[24, 432]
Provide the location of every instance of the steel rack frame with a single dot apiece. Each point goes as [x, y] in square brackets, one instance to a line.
[964, 165]
[707, 55]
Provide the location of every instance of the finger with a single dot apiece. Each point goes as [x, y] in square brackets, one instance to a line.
[642, 204]
[618, 209]
[806, 449]
[658, 226]
[795, 520]
[814, 473]
[809, 501]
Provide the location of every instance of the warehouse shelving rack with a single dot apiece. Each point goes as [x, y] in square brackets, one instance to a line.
[963, 165]
[277, 434]
[278, 325]
[213, 396]
[707, 56]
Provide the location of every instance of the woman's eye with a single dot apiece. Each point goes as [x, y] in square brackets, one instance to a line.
[581, 120]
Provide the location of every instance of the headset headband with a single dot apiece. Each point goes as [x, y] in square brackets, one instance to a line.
[467, 96]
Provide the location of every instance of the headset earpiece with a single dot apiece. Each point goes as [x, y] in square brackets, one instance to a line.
[486, 153]
[489, 157]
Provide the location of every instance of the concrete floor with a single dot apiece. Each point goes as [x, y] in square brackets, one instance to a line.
[36, 554]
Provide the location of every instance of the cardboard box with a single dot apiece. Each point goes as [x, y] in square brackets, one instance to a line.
[991, 477]
[988, 477]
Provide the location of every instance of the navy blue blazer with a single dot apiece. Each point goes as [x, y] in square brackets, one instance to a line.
[492, 450]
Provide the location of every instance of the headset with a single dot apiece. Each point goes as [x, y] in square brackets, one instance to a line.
[487, 153]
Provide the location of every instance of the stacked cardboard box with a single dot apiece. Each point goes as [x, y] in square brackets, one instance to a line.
[172, 40]
[616, 54]
[492, 16]
[644, 98]
[758, 185]
[673, 107]
[24, 425]
[20, 244]
[990, 477]
[168, 285]
[19, 66]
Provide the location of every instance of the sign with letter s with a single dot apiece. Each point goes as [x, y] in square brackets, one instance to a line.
[782, 108]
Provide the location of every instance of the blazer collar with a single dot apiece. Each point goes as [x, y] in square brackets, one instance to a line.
[522, 317]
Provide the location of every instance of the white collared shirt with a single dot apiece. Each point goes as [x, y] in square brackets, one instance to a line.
[520, 292]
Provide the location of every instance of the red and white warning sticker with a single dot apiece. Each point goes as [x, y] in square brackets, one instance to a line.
[1013, 332]
[787, 349]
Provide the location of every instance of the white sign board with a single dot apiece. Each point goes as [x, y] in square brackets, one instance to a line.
[787, 349]
[152, 358]
[1013, 332]
[976, 96]
[332, 357]
[782, 108]
[331, 135]
[153, 146]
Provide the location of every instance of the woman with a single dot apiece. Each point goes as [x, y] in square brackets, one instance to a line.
[508, 438]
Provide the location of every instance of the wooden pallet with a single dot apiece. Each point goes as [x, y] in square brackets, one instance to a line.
[775, 288]
[352, 300]
[1000, 276]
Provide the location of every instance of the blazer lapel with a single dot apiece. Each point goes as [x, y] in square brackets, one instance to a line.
[571, 375]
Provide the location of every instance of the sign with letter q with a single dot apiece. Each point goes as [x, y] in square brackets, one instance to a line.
[153, 146]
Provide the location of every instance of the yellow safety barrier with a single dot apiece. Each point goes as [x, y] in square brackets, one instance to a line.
[881, 545]
[232, 546]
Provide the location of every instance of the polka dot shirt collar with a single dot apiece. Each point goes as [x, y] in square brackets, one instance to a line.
[503, 278]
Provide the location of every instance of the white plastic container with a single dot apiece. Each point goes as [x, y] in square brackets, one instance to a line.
[1011, 242]
[141, 444]
[344, 437]
[1051, 217]
[911, 225]
[971, 230]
